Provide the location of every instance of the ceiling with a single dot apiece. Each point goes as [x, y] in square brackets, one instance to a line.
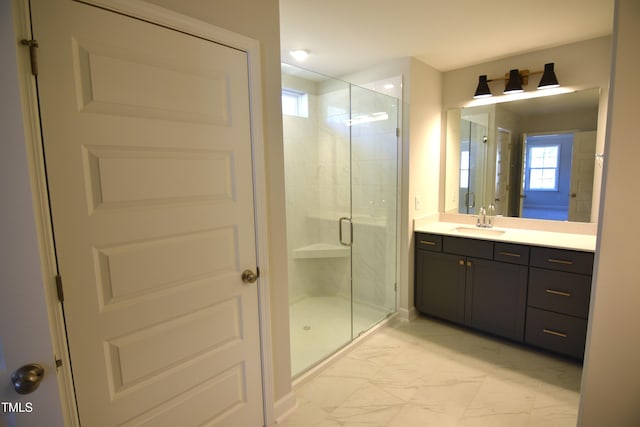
[345, 36]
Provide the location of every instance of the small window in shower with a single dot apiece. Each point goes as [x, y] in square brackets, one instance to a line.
[295, 103]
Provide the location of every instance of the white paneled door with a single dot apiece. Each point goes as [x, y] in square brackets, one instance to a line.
[147, 141]
[582, 172]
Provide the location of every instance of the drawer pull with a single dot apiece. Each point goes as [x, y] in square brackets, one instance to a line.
[554, 333]
[560, 293]
[461, 262]
[510, 254]
[560, 261]
[426, 242]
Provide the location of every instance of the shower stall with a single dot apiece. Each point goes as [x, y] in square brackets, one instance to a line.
[341, 178]
[473, 160]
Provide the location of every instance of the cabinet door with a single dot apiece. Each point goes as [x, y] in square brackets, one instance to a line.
[440, 285]
[497, 293]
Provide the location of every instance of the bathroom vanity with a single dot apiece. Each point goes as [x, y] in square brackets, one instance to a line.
[510, 283]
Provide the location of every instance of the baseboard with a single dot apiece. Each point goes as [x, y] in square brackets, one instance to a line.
[407, 315]
[284, 406]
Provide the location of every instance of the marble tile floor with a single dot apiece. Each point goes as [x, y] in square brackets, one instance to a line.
[431, 373]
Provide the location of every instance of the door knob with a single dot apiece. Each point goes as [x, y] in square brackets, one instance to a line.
[27, 378]
[249, 276]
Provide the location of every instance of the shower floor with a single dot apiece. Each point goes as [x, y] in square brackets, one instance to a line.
[321, 325]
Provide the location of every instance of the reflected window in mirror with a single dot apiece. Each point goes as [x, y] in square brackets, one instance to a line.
[543, 173]
[464, 169]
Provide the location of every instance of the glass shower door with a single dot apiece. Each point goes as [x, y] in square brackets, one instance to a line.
[341, 180]
[317, 151]
[473, 152]
[374, 183]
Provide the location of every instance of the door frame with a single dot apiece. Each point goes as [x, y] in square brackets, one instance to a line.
[33, 141]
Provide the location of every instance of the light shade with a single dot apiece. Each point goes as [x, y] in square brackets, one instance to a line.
[482, 91]
[514, 84]
[549, 78]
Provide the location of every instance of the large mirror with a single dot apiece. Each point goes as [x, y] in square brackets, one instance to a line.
[530, 158]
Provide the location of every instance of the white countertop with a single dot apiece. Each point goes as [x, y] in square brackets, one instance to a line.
[551, 239]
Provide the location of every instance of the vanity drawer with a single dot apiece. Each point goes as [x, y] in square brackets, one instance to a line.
[556, 332]
[468, 247]
[429, 242]
[508, 252]
[563, 260]
[558, 291]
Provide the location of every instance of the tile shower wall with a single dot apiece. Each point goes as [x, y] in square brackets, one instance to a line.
[374, 193]
[317, 159]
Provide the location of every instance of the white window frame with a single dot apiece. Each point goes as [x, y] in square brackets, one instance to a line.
[464, 168]
[298, 105]
[544, 168]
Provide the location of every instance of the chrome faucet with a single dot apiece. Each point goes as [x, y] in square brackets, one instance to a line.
[483, 213]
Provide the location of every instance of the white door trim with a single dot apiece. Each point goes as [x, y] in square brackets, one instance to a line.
[169, 19]
[40, 197]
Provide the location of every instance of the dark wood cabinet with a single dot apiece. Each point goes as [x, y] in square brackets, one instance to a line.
[457, 280]
[442, 285]
[498, 297]
[558, 300]
[524, 293]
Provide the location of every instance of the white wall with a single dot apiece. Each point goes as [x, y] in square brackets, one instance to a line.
[424, 160]
[611, 377]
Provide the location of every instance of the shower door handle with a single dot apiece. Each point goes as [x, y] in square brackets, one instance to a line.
[470, 200]
[342, 242]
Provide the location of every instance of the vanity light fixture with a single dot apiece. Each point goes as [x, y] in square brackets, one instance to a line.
[482, 91]
[549, 79]
[516, 79]
[514, 84]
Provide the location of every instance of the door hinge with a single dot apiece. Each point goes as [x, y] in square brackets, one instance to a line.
[395, 287]
[397, 132]
[58, 363]
[59, 288]
[33, 45]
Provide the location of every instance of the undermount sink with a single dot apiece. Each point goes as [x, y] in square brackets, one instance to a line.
[479, 231]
